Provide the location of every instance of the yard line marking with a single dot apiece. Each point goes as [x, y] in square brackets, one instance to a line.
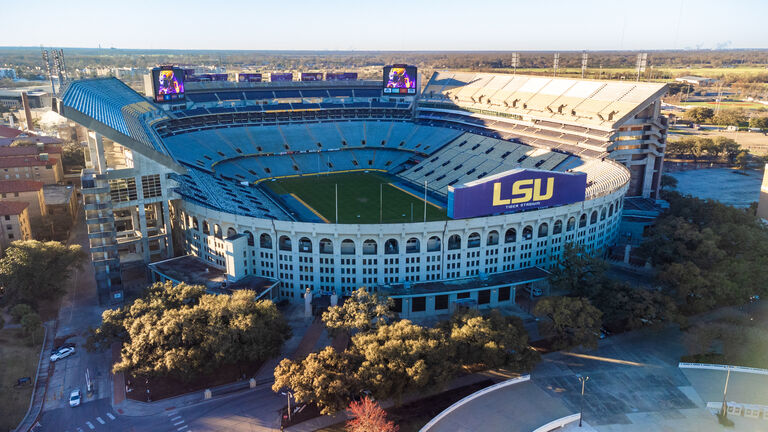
[111, 417]
[90, 425]
[99, 419]
[79, 430]
[175, 418]
[414, 195]
[182, 428]
[178, 423]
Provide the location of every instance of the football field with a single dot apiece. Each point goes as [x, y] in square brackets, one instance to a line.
[360, 195]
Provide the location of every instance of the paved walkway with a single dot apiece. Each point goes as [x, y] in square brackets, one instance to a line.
[41, 383]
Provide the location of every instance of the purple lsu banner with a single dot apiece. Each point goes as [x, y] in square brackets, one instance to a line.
[514, 191]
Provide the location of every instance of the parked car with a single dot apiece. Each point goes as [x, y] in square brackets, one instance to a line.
[62, 353]
[74, 398]
[66, 345]
[534, 291]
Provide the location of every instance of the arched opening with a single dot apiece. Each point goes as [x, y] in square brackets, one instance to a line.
[412, 245]
[249, 235]
[493, 238]
[391, 247]
[433, 244]
[558, 227]
[305, 245]
[347, 247]
[583, 220]
[610, 210]
[370, 247]
[284, 243]
[603, 214]
[528, 232]
[326, 246]
[195, 225]
[231, 232]
[593, 218]
[217, 231]
[543, 230]
[206, 228]
[571, 224]
[265, 241]
[510, 236]
[454, 242]
[473, 240]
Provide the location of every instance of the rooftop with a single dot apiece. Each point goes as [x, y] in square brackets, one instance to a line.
[57, 194]
[12, 162]
[506, 278]
[11, 186]
[30, 150]
[194, 271]
[9, 132]
[8, 208]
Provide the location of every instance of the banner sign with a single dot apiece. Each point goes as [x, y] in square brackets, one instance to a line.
[514, 191]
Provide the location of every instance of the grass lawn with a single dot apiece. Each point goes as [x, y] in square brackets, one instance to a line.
[358, 198]
[18, 359]
[726, 104]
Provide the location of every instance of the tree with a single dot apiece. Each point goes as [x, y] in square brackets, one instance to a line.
[760, 123]
[730, 117]
[667, 181]
[699, 114]
[182, 332]
[33, 270]
[368, 416]
[326, 379]
[362, 311]
[31, 324]
[493, 340]
[72, 155]
[742, 160]
[578, 272]
[18, 311]
[730, 147]
[403, 357]
[630, 308]
[572, 321]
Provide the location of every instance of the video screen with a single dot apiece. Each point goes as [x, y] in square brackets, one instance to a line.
[169, 84]
[341, 76]
[311, 76]
[249, 77]
[400, 79]
[279, 77]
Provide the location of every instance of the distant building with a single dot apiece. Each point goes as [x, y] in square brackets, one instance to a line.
[7, 73]
[762, 205]
[14, 223]
[41, 167]
[60, 201]
[37, 98]
[696, 80]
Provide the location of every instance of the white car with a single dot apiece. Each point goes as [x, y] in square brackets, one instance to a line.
[74, 398]
[62, 353]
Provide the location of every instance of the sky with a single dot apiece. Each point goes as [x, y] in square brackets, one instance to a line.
[405, 25]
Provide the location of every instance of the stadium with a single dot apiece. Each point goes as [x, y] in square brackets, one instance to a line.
[460, 191]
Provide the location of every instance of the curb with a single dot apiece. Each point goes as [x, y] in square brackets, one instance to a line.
[24, 420]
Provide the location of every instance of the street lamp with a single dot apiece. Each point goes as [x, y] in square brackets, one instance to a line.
[289, 395]
[583, 380]
[724, 409]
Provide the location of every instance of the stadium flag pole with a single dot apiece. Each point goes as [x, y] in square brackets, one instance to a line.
[336, 186]
[425, 200]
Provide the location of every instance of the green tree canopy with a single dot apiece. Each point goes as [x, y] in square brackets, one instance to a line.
[180, 331]
[361, 311]
[699, 114]
[572, 321]
[667, 181]
[33, 270]
[578, 273]
[730, 117]
[759, 123]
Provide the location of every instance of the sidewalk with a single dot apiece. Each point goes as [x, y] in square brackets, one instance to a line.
[41, 381]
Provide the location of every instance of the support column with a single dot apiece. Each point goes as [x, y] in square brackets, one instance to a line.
[144, 234]
[167, 224]
[97, 155]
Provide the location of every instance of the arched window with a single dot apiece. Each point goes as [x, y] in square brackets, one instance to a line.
[250, 238]
[583, 220]
[473, 240]
[433, 244]
[412, 245]
[265, 241]
[326, 246]
[285, 243]
[571, 224]
[527, 233]
[369, 247]
[493, 238]
[206, 228]
[347, 247]
[231, 232]
[543, 230]
[593, 218]
[558, 227]
[454, 242]
[217, 231]
[195, 225]
[390, 247]
[603, 214]
[305, 245]
[510, 236]
[610, 210]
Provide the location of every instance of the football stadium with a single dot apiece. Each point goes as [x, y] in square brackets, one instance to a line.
[458, 189]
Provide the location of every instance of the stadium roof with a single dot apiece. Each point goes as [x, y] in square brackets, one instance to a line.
[569, 100]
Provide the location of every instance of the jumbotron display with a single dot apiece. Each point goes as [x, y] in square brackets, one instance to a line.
[400, 79]
[168, 83]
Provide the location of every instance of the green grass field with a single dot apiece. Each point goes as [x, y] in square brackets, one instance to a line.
[727, 105]
[19, 359]
[358, 198]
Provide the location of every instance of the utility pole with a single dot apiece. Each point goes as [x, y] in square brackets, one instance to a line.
[556, 64]
[724, 409]
[583, 380]
[584, 60]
